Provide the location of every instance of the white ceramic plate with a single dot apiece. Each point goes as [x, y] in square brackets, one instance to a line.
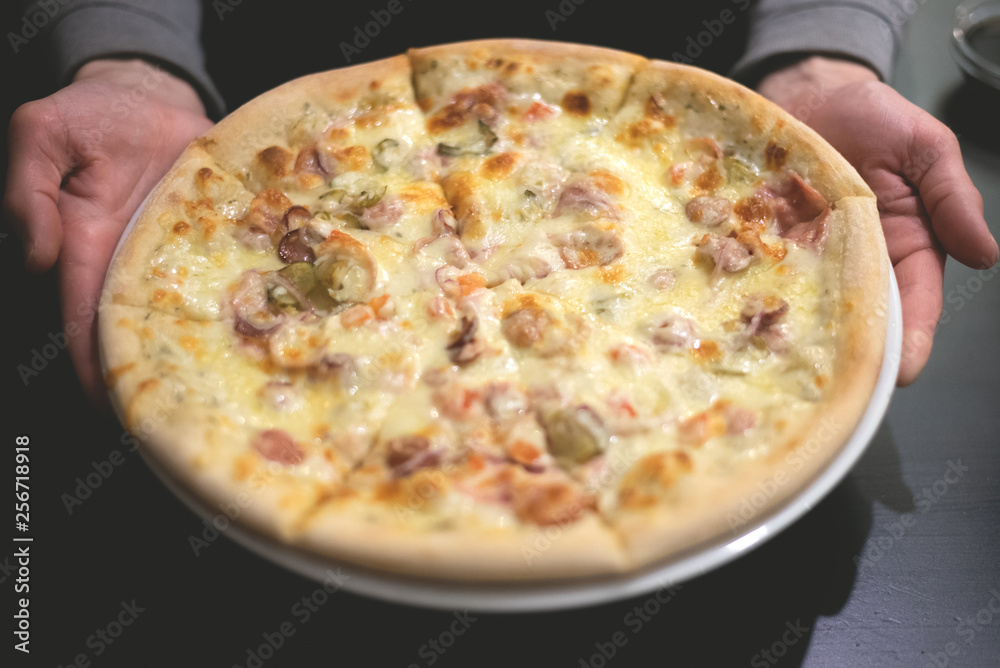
[517, 597]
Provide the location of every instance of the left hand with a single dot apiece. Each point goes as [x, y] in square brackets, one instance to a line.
[81, 162]
[928, 204]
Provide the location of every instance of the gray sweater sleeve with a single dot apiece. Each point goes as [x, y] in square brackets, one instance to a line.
[164, 32]
[868, 31]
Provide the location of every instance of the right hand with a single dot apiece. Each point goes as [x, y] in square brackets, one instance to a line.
[928, 204]
[81, 162]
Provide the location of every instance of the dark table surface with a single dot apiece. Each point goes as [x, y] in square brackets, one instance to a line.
[898, 566]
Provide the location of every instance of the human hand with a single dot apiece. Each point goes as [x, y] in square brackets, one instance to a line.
[928, 204]
[81, 162]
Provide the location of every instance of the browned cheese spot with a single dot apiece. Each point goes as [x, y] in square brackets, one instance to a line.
[775, 156]
[645, 483]
[710, 179]
[613, 274]
[354, 158]
[423, 196]
[518, 302]
[147, 385]
[277, 161]
[576, 103]
[753, 211]
[113, 374]
[608, 182]
[461, 190]
[204, 178]
[499, 166]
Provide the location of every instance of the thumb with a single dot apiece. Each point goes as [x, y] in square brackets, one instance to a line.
[40, 158]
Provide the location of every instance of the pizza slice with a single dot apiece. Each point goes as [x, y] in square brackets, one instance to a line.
[348, 146]
[185, 250]
[224, 422]
[766, 252]
[513, 122]
[460, 485]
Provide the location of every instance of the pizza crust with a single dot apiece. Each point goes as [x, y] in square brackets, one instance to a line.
[470, 552]
[700, 510]
[548, 69]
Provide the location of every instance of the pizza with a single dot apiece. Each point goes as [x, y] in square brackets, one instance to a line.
[500, 310]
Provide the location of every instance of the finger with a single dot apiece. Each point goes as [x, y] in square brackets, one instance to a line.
[82, 268]
[952, 200]
[39, 159]
[919, 277]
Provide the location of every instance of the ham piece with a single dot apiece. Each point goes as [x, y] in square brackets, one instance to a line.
[799, 210]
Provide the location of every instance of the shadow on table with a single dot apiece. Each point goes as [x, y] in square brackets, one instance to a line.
[971, 112]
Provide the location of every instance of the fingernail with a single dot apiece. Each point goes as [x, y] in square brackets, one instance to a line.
[31, 261]
[989, 261]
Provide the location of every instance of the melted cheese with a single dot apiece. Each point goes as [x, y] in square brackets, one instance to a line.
[525, 241]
